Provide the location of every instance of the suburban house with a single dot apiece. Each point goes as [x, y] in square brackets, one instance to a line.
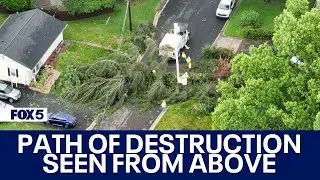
[27, 39]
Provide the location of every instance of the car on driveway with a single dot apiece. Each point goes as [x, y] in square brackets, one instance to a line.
[62, 120]
[4, 105]
[225, 8]
[9, 93]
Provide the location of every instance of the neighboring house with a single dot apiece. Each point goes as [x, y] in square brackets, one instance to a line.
[27, 40]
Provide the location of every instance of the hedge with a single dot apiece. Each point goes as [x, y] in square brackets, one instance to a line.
[86, 6]
[259, 33]
[17, 5]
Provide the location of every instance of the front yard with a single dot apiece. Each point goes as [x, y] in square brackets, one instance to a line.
[180, 117]
[267, 11]
[24, 126]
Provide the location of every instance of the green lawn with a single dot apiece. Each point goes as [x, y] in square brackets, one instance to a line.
[79, 54]
[3, 17]
[25, 126]
[95, 29]
[179, 117]
[268, 11]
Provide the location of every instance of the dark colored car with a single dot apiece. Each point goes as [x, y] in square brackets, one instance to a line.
[62, 119]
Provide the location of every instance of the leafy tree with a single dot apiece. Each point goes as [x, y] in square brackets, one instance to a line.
[266, 92]
[15, 6]
[298, 37]
[297, 7]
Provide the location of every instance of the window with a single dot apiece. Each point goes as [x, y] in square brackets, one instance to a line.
[13, 72]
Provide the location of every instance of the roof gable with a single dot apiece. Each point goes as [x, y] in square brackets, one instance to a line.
[25, 37]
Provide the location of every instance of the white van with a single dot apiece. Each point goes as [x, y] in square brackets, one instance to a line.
[225, 8]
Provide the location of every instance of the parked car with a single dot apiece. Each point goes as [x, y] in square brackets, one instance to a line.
[9, 93]
[62, 119]
[4, 105]
[225, 8]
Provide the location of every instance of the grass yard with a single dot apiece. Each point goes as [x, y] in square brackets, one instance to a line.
[267, 11]
[95, 29]
[79, 54]
[3, 17]
[179, 117]
[24, 126]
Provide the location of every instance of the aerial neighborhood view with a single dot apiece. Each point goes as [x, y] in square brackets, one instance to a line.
[162, 64]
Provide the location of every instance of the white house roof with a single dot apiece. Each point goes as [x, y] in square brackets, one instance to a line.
[25, 37]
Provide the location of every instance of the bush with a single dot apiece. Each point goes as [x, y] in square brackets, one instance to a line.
[15, 5]
[250, 18]
[85, 6]
[209, 52]
[263, 34]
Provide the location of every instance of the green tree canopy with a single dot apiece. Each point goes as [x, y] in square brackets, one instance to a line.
[15, 5]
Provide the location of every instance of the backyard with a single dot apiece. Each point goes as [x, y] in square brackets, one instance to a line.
[267, 11]
[101, 31]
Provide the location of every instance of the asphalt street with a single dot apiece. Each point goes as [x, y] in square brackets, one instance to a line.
[199, 14]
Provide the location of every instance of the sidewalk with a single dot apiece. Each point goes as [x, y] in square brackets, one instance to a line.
[228, 42]
[237, 45]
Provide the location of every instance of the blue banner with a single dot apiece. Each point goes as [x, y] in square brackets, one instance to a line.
[159, 155]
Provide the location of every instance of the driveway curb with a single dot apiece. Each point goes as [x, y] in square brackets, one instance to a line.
[158, 14]
[226, 24]
[156, 122]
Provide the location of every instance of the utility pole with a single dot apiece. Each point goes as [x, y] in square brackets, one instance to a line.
[130, 20]
[177, 64]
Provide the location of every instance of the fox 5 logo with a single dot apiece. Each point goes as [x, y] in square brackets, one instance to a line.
[23, 115]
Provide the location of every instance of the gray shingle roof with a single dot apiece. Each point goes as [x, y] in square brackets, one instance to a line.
[26, 36]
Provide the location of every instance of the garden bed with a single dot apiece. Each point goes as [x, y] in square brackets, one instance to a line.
[66, 16]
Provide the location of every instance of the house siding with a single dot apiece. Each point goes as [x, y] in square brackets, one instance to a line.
[25, 74]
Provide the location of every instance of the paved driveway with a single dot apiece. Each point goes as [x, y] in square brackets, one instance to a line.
[54, 104]
[200, 14]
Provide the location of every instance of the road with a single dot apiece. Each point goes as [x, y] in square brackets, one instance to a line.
[200, 14]
[55, 104]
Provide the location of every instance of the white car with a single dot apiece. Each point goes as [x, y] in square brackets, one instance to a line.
[9, 93]
[4, 105]
[225, 8]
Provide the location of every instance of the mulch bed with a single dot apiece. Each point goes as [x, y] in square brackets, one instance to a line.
[54, 58]
[65, 16]
[3, 10]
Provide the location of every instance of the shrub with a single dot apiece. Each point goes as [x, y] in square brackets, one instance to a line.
[85, 6]
[15, 5]
[209, 52]
[263, 34]
[250, 18]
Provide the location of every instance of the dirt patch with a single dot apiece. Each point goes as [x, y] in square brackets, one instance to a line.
[247, 43]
